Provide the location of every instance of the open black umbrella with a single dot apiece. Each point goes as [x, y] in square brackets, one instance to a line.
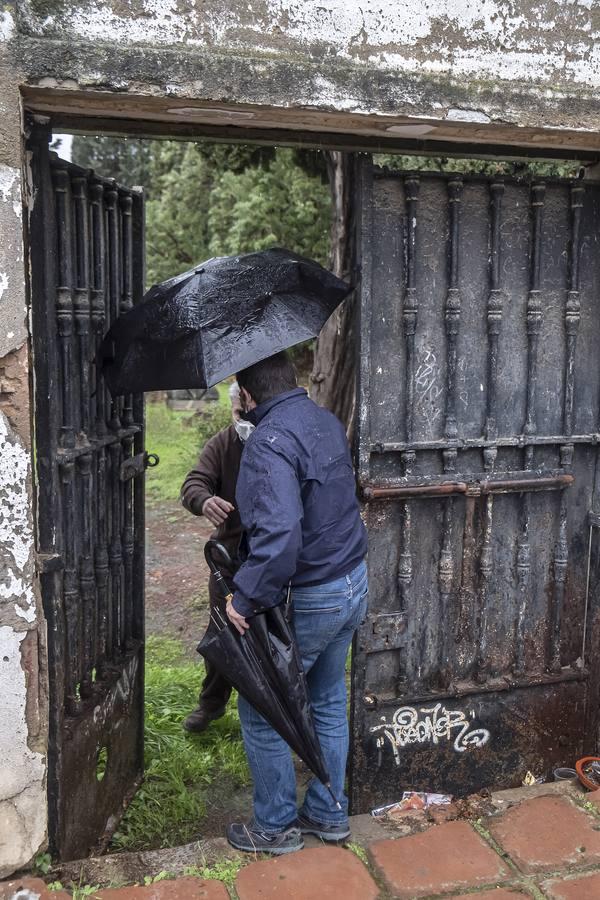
[220, 317]
[264, 666]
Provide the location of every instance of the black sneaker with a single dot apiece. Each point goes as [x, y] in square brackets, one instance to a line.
[332, 833]
[200, 718]
[250, 838]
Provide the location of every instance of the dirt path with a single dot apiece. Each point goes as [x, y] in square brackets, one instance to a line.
[176, 573]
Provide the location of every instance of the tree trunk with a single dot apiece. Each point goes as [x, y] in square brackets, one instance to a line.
[334, 368]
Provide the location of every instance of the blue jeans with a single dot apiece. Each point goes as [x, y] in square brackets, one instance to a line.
[325, 619]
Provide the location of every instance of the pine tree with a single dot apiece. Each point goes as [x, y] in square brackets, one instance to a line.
[127, 160]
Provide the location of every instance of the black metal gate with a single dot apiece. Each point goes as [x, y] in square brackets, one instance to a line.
[478, 427]
[86, 263]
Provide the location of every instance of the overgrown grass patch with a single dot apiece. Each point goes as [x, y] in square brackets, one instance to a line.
[169, 807]
[178, 437]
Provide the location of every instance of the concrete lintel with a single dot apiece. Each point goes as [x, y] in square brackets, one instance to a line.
[246, 91]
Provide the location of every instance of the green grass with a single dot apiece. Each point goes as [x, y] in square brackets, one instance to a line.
[168, 809]
[224, 870]
[177, 438]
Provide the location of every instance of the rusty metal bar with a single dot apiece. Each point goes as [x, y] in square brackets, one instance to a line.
[519, 441]
[476, 487]
[472, 689]
[540, 483]
[425, 490]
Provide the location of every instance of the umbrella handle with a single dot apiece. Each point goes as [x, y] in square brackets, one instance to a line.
[338, 805]
[212, 549]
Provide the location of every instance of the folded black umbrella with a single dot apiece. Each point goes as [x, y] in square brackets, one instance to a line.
[265, 667]
[220, 317]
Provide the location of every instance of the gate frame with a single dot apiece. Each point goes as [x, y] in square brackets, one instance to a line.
[53, 107]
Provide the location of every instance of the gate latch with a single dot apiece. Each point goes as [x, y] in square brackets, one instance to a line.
[384, 632]
[136, 465]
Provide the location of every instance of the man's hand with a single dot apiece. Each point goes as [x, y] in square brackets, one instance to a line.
[216, 510]
[234, 617]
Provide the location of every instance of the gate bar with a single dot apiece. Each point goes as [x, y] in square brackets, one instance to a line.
[473, 489]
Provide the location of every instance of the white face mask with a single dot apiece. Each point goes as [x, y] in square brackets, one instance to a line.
[244, 429]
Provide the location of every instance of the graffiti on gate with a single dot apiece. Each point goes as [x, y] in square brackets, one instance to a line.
[429, 726]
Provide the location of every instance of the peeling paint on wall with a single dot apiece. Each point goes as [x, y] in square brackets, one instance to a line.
[16, 535]
[537, 40]
[7, 26]
[12, 286]
[22, 769]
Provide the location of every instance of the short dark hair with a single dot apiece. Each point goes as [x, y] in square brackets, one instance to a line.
[269, 377]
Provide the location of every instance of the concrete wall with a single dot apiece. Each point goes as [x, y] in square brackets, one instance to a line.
[478, 70]
[455, 61]
[23, 694]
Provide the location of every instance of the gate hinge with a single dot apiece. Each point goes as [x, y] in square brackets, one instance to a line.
[136, 465]
[48, 562]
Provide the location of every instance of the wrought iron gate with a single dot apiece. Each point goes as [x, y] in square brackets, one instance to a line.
[478, 436]
[86, 261]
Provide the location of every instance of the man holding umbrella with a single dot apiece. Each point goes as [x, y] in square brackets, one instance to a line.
[297, 502]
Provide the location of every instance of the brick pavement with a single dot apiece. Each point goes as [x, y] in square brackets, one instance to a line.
[545, 846]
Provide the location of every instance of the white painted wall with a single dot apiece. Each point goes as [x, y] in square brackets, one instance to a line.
[553, 41]
[23, 813]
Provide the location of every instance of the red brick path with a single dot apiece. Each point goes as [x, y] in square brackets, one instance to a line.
[542, 847]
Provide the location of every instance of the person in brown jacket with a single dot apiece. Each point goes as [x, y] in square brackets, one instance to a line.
[209, 490]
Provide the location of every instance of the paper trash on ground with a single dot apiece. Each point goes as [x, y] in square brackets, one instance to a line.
[413, 800]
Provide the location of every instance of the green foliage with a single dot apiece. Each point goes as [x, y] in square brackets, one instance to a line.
[211, 200]
[177, 438]
[177, 233]
[224, 870]
[42, 864]
[205, 199]
[125, 159]
[168, 808]
[526, 169]
[79, 891]
[279, 205]
[359, 851]
[154, 879]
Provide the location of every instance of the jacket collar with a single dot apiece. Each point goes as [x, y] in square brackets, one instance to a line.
[259, 412]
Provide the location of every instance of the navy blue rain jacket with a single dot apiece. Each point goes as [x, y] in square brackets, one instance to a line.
[297, 500]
